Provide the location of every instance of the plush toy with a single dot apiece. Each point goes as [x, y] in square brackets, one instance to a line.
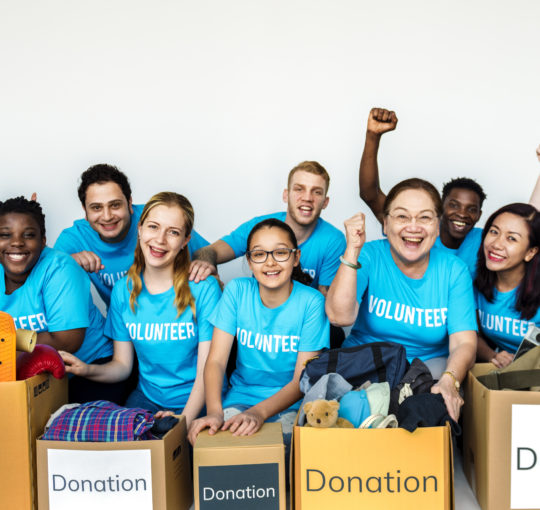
[324, 414]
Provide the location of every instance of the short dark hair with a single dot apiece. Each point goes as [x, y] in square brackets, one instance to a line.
[297, 273]
[22, 205]
[413, 183]
[464, 183]
[101, 174]
[528, 293]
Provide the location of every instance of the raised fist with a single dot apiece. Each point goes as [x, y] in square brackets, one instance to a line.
[380, 121]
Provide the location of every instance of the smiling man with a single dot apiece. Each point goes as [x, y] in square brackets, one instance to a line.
[321, 244]
[462, 197]
[104, 242]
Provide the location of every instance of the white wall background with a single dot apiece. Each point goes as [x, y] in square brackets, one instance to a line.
[219, 99]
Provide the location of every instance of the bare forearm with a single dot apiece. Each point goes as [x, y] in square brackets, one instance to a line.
[206, 254]
[213, 385]
[370, 191]
[111, 372]
[283, 399]
[69, 340]
[462, 358]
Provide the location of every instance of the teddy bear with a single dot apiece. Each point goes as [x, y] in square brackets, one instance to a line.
[324, 414]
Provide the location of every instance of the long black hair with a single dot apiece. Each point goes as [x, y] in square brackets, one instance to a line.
[297, 273]
[528, 294]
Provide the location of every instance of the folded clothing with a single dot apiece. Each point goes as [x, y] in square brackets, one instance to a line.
[425, 410]
[100, 421]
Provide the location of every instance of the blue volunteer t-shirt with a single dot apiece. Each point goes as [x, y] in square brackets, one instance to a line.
[166, 344]
[116, 257]
[56, 297]
[418, 314]
[320, 252]
[501, 322]
[268, 339]
[468, 250]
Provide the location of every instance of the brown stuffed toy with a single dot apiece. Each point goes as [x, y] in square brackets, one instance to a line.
[324, 414]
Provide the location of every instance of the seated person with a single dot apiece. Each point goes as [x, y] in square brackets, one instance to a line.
[279, 324]
[104, 242]
[507, 282]
[158, 312]
[399, 289]
[46, 291]
[462, 197]
[321, 243]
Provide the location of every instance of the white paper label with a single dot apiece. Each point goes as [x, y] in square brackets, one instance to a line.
[108, 480]
[525, 468]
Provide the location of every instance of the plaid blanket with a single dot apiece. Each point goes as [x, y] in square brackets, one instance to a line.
[100, 421]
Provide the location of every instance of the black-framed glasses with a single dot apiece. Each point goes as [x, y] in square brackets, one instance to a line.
[279, 255]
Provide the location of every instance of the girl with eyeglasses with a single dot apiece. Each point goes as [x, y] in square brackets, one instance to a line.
[401, 289]
[507, 281]
[279, 324]
[156, 311]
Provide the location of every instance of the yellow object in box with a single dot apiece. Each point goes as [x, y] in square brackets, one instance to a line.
[382, 469]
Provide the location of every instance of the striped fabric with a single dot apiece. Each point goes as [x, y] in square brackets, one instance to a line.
[101, 421]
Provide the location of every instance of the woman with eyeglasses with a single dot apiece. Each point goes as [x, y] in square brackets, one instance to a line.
[400, 289]
[279, 324]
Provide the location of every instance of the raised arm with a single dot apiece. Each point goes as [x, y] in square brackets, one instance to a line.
[341, 300]
[535, 197]
[379, 122]
[206, 260]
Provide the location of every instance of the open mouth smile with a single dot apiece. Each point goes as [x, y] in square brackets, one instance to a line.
[156, 252]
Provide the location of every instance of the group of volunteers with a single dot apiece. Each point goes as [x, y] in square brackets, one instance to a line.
[448, 292]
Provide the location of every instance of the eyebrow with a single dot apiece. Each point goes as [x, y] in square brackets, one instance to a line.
[419, 212]
[509, 231]
[279, 245]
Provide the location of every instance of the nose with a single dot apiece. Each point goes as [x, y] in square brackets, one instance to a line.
[17, 240]
[107, 213]
[161, 236]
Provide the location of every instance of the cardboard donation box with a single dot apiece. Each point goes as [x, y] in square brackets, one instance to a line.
[382, 469]
[501, 447]
[240, 473]
[26, 407]
[135, 475]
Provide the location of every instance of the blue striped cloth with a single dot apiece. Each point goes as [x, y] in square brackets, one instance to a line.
[101, 421]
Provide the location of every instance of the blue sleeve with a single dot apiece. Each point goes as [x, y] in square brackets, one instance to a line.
[196, 242]
[205, 305]
[330, 263]
[67, 243]
[115, 327]
[237, 239]
[316, 328]
[461, 302]
[66, 295]
[226, 313]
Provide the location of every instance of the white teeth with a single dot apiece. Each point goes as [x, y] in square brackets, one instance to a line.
[413, 239]
[271, 273]
[459, 223]
[16, 256]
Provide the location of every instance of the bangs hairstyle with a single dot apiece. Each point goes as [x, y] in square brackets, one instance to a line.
[311, 167]
[528, 293]
[297, 273]
[22, 205]
[418, 184]
[183, 297]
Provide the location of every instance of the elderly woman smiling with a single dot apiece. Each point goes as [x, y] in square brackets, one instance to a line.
[400, 289]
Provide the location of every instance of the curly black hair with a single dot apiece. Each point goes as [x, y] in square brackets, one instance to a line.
[464, 183]
[24, 206]
[103, 173]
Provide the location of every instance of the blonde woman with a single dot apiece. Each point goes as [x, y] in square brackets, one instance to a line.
[159, 312]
